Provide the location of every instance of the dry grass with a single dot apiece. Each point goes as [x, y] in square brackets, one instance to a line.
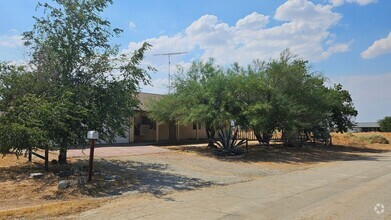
[23, 196]
[367, 140]
[52, 209]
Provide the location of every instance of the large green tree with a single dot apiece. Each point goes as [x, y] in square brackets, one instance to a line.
[75, 68]
[203, 94]
[285, 95]
[282, 94]
[385, 124]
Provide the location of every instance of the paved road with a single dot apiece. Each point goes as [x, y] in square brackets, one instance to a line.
[341, 190]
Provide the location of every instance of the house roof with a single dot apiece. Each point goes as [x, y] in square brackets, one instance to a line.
[367, 125]
[147, 97]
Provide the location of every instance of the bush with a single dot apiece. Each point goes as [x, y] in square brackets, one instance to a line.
[378, 139]
[375, 139]
[229, 144]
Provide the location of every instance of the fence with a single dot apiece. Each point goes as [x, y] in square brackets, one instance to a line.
[45, 157]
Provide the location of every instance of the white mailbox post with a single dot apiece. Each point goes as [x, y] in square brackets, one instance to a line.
[92, 136]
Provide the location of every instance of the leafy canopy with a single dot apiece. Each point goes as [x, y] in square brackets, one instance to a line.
[385, 124]
[282, 94]
[77, 80]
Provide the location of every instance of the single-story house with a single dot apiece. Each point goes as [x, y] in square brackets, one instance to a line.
[144, 129]
[365, 127]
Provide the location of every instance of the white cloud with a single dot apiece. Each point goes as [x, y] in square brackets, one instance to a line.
[252, 21]
[338, 48]
[307, 13]
[132, 26]
[158, 86]
[360, 2]
[379, 47]
[306, 31]
[11, 41]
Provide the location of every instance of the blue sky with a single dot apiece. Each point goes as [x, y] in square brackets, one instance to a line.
[349, 41]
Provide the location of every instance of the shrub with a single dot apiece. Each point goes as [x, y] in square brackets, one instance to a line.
[378, 139]
[229, 144]
[373, 139]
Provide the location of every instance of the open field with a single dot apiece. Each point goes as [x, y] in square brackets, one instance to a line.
[182, 168]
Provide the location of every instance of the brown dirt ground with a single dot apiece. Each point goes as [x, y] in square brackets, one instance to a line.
[22, 196]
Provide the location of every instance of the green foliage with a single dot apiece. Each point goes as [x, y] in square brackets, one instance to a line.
[201, 95]
[385, 124]
[282, 94]
[76, 81]
[341, 108]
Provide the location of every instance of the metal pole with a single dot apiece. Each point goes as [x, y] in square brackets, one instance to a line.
[169, 73]
[169, 65]
[91, 162]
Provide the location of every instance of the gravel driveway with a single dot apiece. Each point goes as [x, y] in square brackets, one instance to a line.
[163, 173]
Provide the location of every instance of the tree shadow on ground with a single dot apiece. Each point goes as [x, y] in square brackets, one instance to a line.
[278, 153]
[136, 177]
[110, 178]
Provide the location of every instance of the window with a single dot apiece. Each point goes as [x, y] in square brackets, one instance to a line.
[195, 125]
[146, 121]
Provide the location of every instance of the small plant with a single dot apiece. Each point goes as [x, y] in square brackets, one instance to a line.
[229, 144]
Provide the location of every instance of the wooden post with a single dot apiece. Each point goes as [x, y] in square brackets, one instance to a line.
[47, 157]
[30, 153]
[91, 162]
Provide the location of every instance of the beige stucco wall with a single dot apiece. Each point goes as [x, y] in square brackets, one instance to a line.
[163, 132]
[186, 132]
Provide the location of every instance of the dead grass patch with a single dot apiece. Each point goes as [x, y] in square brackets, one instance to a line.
[52, 209]
[19, 193]
[364, 140]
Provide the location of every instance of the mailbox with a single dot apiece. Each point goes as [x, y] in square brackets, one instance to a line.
[93, 135]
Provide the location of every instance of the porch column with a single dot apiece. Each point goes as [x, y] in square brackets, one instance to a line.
[177, 132]
[131, 130]
[157, 132]
[197, 132]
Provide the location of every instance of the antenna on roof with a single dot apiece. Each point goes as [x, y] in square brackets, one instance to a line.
[169, 65]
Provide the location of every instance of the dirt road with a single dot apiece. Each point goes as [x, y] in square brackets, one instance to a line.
[341, 190]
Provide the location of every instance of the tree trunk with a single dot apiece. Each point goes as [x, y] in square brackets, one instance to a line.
[264, 138]
[210, 133]
[285, 138]
[62, 157]
[258, 136]
[331, 140]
